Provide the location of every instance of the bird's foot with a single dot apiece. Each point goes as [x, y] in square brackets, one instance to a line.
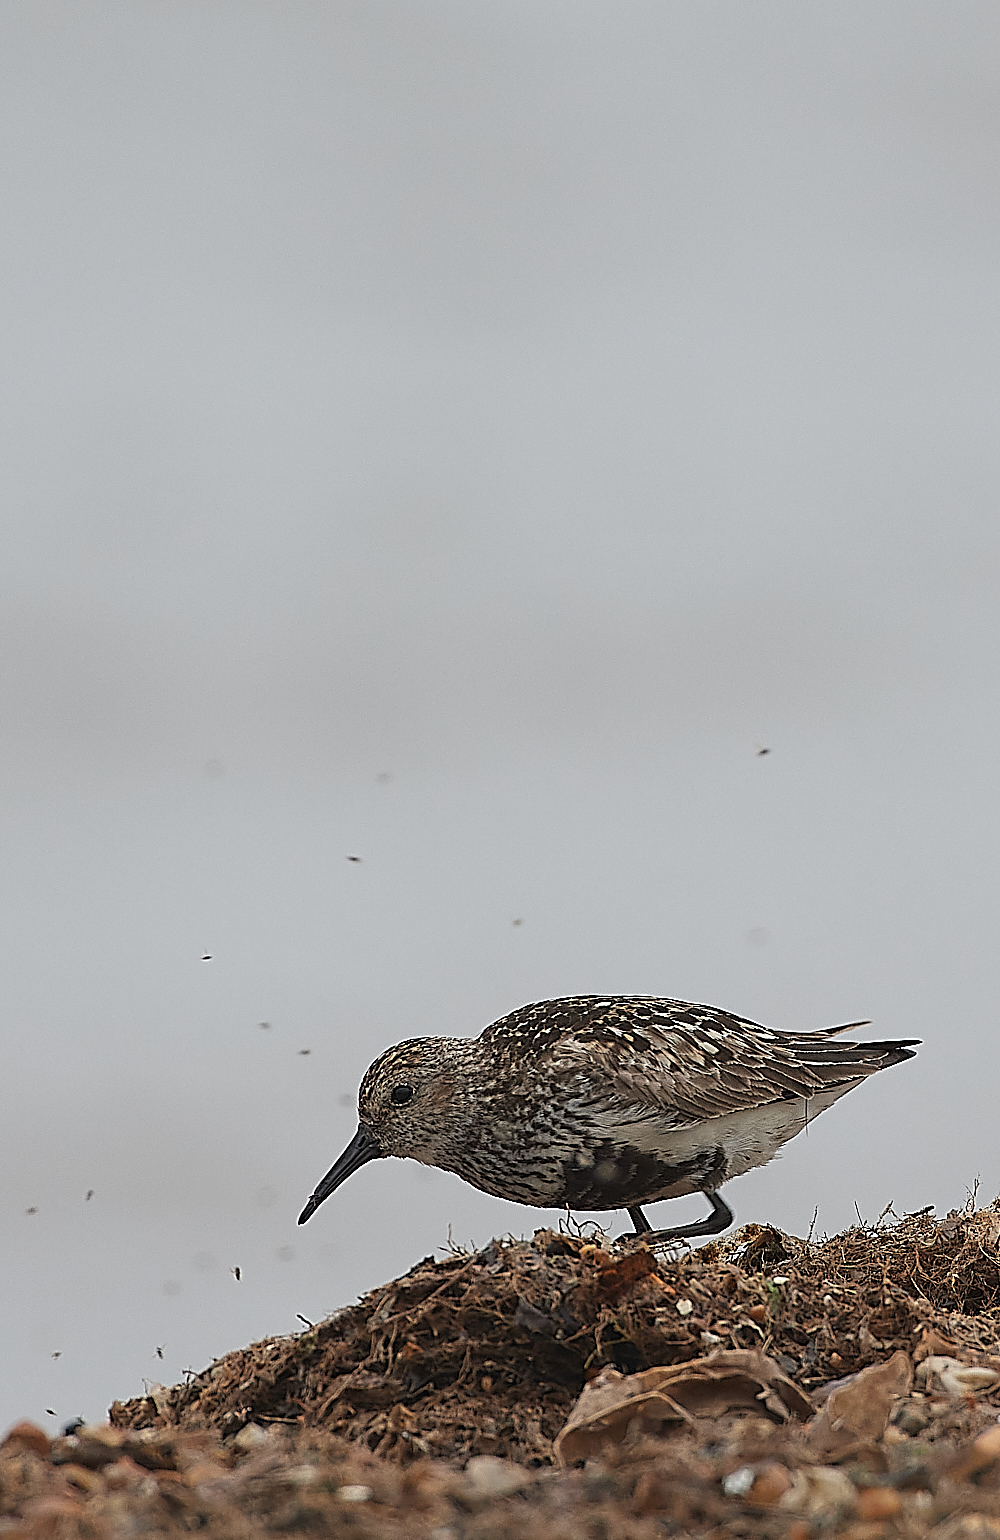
[719, 1219]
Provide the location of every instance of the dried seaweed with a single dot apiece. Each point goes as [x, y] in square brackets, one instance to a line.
[419, 1412]
[486, 1353]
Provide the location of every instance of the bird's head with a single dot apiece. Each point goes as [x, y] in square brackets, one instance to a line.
[406, 1099]
[407, 1106]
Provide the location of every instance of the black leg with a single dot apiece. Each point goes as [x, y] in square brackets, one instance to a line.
[720, 1218]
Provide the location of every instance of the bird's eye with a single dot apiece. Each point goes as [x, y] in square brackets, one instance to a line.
[401, 1094]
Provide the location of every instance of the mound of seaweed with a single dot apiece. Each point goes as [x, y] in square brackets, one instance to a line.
[762, 1388]
[485, 1354]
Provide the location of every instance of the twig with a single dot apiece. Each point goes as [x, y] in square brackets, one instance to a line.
[344, 1385]
[402, 1314]
[456, 1251]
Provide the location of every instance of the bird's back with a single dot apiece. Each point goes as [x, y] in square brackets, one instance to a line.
[692, 1062]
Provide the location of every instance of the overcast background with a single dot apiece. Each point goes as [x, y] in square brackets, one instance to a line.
[463, 436]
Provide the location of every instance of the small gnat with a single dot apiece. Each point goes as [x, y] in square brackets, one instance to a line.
[354, 1494]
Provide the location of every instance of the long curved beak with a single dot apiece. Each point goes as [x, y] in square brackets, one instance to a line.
[362, 1148]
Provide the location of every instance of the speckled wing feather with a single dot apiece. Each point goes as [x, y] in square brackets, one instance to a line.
[661, 1058]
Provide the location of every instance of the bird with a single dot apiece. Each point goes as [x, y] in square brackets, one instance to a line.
[598, 1102]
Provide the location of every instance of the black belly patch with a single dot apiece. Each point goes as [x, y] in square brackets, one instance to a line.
[622, 1175]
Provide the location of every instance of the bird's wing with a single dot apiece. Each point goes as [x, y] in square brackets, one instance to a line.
[661, 1058]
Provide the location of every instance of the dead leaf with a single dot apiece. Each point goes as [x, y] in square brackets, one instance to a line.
[742, 1377]
[608, 1407]
[933, 1344]
[858, 1411]
[868, 1343]
[674, 1394]
[624, 1275]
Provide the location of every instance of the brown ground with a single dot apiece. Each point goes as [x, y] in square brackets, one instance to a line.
[431, 1406]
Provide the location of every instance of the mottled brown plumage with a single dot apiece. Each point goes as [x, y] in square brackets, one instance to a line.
[599, 1102]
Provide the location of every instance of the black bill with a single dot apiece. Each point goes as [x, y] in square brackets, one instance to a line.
[362, 1148]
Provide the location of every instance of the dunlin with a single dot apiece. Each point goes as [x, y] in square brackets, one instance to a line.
[604, 1101]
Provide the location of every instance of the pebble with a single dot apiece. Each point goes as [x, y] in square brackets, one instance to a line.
[819, 1490]
[489, 1476]
[354, 1494]
[250, 1437]
[30, 1436]
[876, 1503]
[771, 1483]
[983, 1451]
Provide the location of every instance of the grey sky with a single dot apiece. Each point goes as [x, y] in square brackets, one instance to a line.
[461, 436]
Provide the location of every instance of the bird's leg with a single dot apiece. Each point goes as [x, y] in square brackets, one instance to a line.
[720, 1218]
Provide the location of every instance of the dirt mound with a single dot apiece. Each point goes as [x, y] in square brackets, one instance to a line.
[486, 1353]
[763, 1386]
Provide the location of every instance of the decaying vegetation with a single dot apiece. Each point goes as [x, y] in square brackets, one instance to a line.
[762, 1385]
